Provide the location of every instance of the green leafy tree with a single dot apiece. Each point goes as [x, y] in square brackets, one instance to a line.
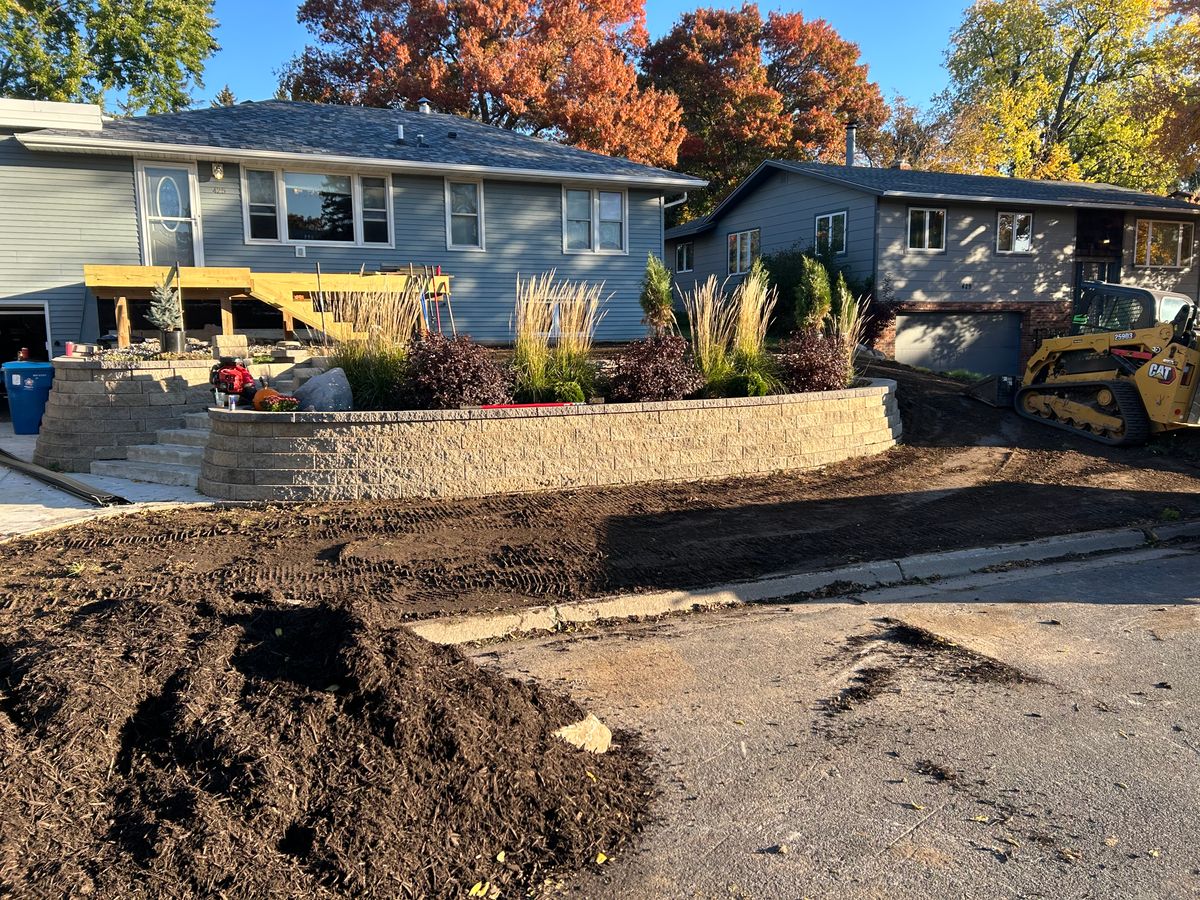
[657, 307]
[150, 53]
[1070, 89]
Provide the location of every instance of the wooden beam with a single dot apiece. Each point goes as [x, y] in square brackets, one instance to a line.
[115, 277]
[226, 315]
[124, 338]
[289, 326]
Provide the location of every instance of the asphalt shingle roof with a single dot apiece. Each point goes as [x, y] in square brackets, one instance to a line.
[942, 185]
[288, 127]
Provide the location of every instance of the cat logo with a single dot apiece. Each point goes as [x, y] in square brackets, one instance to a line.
[1162, 371]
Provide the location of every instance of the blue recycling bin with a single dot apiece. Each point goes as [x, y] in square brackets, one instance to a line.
[28, 386]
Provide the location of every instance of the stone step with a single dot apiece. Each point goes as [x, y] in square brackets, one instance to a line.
[175, 454]
[189, 437]
[155, 473]
[197, 420]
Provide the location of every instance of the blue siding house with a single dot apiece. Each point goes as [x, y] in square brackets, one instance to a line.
[982, 267]
[278, 186]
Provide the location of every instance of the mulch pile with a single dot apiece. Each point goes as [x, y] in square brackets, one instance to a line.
[255, 747]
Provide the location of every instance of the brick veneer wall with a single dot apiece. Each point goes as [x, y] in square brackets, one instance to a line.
[1040, 319]
[474, 452]
[96, 409]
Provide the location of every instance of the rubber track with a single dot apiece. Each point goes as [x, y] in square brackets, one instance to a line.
[1129, 406]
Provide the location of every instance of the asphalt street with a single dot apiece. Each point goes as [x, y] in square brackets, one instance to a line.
[1025, 733]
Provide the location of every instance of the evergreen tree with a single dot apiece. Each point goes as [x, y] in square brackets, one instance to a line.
[166, 312]
[224, 98]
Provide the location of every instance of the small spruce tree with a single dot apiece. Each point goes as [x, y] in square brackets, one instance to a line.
[656, 296]
[166, 312]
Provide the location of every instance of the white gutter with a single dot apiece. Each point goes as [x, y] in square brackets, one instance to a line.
[75, 144]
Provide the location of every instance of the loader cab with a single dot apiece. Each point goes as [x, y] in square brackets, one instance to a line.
[1104, 307]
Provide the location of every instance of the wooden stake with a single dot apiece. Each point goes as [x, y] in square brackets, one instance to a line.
[226, 315]
[124, 336]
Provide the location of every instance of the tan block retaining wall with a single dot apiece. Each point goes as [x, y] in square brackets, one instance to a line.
[97, 409]
[476, 452]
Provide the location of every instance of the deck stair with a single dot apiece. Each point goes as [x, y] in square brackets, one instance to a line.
[173, 459]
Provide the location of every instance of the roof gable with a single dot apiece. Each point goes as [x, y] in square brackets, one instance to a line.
[284, 129]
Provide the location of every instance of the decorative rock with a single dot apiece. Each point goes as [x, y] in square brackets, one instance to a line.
[588, 734]
[327, 392]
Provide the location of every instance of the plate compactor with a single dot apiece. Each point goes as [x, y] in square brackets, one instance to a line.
[1129, 368]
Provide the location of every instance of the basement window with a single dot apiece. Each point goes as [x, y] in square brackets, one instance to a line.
[1163, 245]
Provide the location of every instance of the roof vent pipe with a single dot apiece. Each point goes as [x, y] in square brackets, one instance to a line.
[851, 131]
[399, 134]
[424, 106]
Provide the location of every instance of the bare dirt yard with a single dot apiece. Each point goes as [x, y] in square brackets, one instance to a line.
[967, 475]
[219, 702]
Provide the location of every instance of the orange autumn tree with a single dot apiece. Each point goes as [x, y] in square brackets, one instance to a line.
[753, 89]
[556, 68]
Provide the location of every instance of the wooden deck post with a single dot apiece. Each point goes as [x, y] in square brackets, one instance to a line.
[226, 315]
[289, 326]
[124, 336]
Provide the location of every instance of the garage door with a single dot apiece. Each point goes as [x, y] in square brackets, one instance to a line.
[987, 343]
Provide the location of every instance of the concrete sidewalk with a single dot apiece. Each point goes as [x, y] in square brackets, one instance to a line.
[27, 505]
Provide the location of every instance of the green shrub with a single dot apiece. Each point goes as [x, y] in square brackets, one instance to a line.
[375, 370]
[568, 392]
[785, 269]
[747, 384]
[656, 298]
[814, 295]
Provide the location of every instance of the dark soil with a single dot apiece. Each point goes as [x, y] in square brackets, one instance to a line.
[909, 647]
[243, 748]
[967, 475]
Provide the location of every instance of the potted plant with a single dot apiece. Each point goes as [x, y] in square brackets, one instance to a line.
[166, 314]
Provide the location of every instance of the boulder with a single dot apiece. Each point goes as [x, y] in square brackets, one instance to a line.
[327, 392]
[588, 734]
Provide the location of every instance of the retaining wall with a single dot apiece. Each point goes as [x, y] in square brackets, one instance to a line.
[98, 409]
[476, 452]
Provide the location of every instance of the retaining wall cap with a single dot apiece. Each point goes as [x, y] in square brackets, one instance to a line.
[876, 388]
[73, 362]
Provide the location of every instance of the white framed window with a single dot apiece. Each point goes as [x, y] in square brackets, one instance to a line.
[290, 206]
[685, 256]
[743, 250]
[1014, 232]
[1163, 244]
[830, 234]
[926, 229]
[464, 215]
[595, 220]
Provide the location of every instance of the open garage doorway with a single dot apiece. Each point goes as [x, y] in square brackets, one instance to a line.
[21, 327]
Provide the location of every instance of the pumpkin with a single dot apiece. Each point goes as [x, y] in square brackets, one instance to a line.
[262, 395]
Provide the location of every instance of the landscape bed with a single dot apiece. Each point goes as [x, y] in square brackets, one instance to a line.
[478, 452]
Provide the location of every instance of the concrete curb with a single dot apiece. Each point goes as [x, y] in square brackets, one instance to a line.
[885, 573]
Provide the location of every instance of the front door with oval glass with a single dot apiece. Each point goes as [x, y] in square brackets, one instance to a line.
[170, 220]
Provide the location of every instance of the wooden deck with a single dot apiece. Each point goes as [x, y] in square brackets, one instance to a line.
[292, 293]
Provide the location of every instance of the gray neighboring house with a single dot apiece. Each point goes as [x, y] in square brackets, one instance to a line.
[984, 267]
[278, 186]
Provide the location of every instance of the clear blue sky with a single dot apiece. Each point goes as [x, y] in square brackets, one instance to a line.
[902, 43]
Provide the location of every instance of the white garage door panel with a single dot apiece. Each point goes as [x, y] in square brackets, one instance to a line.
[987, 343]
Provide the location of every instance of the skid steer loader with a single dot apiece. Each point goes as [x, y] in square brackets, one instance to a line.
[1129, 368]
